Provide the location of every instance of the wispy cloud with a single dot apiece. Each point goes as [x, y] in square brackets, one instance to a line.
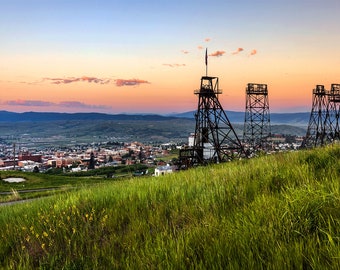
[64, 104]
[77, 104]
[29, 103]
[200, 47]
[253, 52]
[117, 82]
[238, 51]
[217, 53]
[129, 82]
[77, 79]
[185, 51]
[175, 65]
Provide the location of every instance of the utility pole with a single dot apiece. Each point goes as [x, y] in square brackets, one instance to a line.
[14, 156]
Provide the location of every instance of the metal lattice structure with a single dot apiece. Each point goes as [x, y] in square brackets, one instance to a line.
[215, 139]
[257, 116]
[334, 112]
[323, 126]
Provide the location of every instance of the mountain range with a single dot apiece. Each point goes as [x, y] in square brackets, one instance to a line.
[295, 119]
[51, 128]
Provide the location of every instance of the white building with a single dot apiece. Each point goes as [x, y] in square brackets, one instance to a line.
[191, 139]
[162, 170]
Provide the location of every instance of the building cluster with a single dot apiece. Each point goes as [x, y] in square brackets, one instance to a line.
[78, 158]
[282, 142]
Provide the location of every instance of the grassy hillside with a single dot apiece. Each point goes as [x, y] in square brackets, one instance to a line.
[273, 212]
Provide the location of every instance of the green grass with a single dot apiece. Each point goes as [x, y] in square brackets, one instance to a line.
[273, 212]
[59, 182]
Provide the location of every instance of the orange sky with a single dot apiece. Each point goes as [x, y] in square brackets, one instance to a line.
[149, 58]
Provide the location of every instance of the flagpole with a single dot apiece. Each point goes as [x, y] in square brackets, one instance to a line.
[206, 62]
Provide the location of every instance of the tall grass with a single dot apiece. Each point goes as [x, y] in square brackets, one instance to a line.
[273, 212]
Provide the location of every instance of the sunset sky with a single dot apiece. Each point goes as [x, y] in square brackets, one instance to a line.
[132, 56]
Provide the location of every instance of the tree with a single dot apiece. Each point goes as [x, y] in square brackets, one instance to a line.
[92, 162]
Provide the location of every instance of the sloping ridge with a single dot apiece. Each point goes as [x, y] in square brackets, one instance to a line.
[6, 116]
[301, 118]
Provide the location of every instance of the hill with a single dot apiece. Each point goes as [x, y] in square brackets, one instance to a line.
[6, 116]
[295, 119]
[277, 211]
[234, 117]
[64, 128]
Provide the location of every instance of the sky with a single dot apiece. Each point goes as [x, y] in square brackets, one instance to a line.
[132, 56]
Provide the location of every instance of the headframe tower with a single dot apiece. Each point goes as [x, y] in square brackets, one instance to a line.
[334, 112]
[215, 137]
[323, 126]
[257, 117]
[215, 140]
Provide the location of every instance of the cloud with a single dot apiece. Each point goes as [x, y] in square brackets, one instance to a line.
[130, 82]
[200, 47]
[33, 83]
[77, 104]
[217, 53]
[29, 103]
[175, 65]
[185, 51]
[253, 52]
[95, 80]
[77, 79]
[117, 82]
[65, 104]
[238, 51]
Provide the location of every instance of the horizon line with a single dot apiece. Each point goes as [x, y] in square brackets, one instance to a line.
[143, 113]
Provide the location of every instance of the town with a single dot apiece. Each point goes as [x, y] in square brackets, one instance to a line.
[82, 157]
[79, 157]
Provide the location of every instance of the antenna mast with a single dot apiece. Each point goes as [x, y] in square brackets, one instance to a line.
[206, 62]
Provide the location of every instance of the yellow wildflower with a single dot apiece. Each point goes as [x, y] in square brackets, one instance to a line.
[27, 238]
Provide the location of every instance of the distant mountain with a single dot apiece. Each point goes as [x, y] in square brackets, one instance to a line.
[190, 114]
[300, 118]
[150, 128]
[6, 116]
